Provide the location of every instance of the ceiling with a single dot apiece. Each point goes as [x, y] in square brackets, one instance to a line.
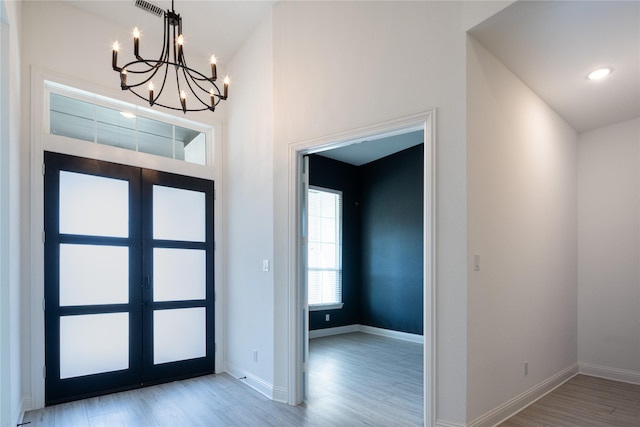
[210, 27]
[363, 152]
[552, 46]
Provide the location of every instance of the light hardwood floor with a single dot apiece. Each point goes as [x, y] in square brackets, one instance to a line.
[355, 380]
[586, 402]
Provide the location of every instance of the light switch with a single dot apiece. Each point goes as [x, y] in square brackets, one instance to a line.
[265, 265]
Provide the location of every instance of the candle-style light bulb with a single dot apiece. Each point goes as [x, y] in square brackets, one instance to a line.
[214, 71]
[179, 42]
[213, 100]
[136, 41]
[114, 55]
[183, 101]
[226, 87]
[151, 100]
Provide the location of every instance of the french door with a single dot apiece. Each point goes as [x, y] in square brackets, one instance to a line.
[128, 277]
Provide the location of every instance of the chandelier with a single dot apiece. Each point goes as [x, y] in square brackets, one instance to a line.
[204, 94]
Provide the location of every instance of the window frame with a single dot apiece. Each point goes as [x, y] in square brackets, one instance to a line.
[336, 305]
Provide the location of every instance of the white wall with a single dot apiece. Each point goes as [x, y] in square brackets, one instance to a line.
[10, 218]
[248, 221]
[339, 66]
[609, 251]
[521, 199]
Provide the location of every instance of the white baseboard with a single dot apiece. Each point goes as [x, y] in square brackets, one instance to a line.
[518, 403]
[443, 423]
[319, 333]
[609, 373]
[367, 330]
[24, 405]
[405, 336]
[255, 382]
[280, 394]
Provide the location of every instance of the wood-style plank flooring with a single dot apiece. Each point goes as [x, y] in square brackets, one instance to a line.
[355, 380]
[586, 402]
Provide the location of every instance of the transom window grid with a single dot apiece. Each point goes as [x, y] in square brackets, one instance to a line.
[82, 116]
[324, 259]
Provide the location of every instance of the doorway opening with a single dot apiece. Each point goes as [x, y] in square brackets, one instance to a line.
[382, 136]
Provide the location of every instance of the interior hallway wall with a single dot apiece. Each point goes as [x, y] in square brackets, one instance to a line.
[11, 352]
[609, 251]
[522, 222]
[248, 221]
[339, 66]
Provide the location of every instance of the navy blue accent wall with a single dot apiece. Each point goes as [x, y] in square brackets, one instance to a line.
[382, 240]
[392, 242]
[341, 176]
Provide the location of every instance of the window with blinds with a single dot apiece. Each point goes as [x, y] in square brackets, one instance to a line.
[324, 259]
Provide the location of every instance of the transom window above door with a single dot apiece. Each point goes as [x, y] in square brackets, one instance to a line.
[79, 115]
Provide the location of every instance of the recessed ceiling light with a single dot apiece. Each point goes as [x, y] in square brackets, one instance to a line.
[127, 115]
[599, 74]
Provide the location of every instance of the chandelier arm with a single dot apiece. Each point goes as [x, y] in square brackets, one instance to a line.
[199, 77]
[154, 66]
[169, 106]
[165, 37]
[164, 80]
[186, 79]
[175, 49]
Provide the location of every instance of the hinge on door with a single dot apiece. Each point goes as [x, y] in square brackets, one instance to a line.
[44, 372]
[44, 237]
[214, 194]
[215, 347]
[44, 306]
[43, 169]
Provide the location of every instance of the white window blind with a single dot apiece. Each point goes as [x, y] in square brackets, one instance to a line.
[324, 255]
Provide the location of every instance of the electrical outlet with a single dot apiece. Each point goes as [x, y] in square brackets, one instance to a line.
[327, 317]
[526, 368]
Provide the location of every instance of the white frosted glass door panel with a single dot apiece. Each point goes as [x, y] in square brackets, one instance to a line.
[93, 274]
[179, 334]
[178, 214]
[93, 205]
[93, 343]
[179, 274]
